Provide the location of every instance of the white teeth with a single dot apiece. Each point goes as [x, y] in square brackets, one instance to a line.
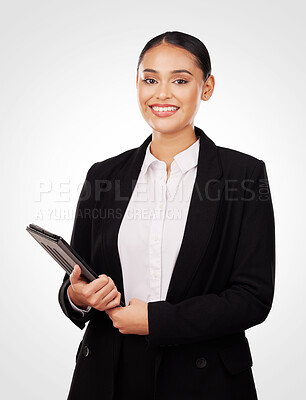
[165, 108]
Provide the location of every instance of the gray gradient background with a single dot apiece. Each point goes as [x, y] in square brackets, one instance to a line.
[68, 99]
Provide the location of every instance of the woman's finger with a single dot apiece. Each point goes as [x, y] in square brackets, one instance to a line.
[98, 284]
[113, 303]
[75, 275]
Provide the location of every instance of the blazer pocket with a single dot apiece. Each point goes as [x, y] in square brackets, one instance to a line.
[236, 357]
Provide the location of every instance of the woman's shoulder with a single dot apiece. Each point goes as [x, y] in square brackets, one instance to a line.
[109, 166]
[237, 162]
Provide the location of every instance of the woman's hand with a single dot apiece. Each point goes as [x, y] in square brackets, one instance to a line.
[100, 294]
[132, 319]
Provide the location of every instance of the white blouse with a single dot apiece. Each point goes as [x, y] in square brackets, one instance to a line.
[152, 228]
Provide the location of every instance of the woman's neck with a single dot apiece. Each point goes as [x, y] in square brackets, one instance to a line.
[165, 146]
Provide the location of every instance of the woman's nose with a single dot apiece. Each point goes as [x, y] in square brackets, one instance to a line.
[163, 91]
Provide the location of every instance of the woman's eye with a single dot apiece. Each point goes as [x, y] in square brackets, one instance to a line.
[148, 79]
[182, 80]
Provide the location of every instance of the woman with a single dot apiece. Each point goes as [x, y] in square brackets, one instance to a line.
[181, 232]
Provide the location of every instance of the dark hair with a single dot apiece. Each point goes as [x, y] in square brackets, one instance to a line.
[185, 41]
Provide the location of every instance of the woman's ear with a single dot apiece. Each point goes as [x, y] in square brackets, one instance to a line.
[204, 96]
[208, 88]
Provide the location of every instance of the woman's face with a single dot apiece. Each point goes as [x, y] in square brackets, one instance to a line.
[168, 76]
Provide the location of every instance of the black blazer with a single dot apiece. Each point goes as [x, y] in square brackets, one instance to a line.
[222, 282]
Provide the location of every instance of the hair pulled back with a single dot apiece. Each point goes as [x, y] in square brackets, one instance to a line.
[185, 41]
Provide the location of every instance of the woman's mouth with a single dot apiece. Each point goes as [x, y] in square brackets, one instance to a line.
[164, 110]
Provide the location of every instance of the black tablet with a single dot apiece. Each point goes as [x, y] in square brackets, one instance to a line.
[61, 251]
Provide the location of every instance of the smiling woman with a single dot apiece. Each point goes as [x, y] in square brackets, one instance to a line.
[168, 71]
[193, 265]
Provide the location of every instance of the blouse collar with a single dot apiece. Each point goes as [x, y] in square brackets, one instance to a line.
[185, 160]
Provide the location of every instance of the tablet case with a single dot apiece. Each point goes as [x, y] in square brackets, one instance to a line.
[61, 251]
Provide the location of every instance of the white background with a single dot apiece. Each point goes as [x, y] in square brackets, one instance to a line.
[68, 99]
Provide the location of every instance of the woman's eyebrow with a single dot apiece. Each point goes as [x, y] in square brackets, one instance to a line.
[176, 71]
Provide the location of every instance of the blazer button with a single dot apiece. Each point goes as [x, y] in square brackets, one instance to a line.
[85, 351]
[201, 362]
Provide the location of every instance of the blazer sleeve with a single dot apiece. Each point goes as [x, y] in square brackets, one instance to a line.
[248, 298]
[81, 242]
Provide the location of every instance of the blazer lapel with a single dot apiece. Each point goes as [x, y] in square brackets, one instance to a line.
[203, 209]
[122, 189]
[204, 205]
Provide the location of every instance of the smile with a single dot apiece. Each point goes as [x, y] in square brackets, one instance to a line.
[164, 111]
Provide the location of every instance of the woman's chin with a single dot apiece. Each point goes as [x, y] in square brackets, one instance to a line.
[164, 125]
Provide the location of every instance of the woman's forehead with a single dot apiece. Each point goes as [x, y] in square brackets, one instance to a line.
[168, 57]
